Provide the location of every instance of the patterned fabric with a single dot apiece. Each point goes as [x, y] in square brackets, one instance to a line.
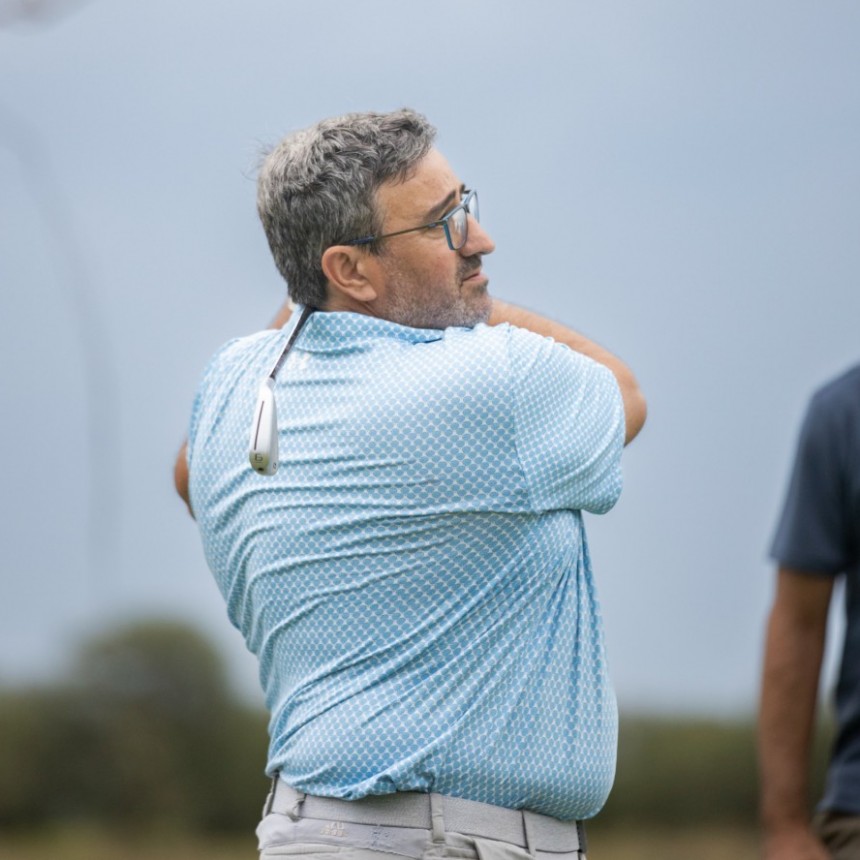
[415, 578]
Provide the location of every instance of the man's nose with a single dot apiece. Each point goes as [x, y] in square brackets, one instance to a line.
[478, 240]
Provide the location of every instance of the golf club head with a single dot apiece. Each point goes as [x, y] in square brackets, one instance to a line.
[263, 445]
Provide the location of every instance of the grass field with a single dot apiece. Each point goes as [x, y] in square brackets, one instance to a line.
[616, 844]
[92, 844]
[692, 844]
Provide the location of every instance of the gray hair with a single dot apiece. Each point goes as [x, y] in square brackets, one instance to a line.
[317, 188]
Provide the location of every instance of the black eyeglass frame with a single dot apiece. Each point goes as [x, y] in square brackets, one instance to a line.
[469, 204]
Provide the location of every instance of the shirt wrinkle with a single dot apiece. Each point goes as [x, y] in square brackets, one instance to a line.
[418, 620]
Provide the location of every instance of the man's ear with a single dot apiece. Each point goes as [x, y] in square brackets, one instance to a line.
[350, 271]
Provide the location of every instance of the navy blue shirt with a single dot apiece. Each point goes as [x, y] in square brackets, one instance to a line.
[819, 532]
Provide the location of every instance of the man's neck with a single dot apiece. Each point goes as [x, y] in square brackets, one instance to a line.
[346, 304]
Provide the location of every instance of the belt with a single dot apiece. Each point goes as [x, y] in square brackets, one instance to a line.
[520, 827]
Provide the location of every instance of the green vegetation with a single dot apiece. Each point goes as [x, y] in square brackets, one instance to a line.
[145, 734]
[691, 772]
[146, 737]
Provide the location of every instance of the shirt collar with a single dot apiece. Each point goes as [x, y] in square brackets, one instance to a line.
[326, 330]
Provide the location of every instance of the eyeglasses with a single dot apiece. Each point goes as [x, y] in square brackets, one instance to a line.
[455, 224]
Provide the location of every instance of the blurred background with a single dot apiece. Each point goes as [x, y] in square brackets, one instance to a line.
[679, 181]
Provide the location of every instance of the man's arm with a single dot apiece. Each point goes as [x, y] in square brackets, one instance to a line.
[283, 314]
[180, 475]
[180, 468]
[635, 408]
[794, 647]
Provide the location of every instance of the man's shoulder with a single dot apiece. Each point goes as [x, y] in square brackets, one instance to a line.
[505, 347]
[838, 396]
[240, 349]
[832, 420]
[235, 359]
[509, 337]
[474, 343]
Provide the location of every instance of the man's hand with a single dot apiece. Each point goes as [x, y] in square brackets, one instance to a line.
[793, 843]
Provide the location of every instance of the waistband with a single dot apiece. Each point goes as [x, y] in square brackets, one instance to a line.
[520, 827]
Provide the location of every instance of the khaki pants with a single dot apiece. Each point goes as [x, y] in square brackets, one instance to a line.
[840, 833]
[455, 847]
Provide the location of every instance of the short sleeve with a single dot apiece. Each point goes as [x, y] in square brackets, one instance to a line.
[812, 533]
[194, 422]
[210, 373]
[569, 425]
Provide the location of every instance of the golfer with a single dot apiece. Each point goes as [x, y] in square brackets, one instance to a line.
[413, 575]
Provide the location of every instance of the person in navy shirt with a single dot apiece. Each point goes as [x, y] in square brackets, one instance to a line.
[817, 543]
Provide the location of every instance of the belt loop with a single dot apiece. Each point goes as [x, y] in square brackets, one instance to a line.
[295, 811]
[270, 800]
[437, 817]
[527, 832]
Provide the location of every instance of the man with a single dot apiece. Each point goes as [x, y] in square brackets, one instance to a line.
[818, 540]
[414, 577]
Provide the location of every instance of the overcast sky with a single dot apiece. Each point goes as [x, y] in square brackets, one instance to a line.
[678, 180]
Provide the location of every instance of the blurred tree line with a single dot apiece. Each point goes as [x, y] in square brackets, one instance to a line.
[146, 732]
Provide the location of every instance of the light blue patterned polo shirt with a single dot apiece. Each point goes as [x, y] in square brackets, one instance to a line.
[415, 578]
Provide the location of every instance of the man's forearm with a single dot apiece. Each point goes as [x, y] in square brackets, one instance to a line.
[792, 665]
[635, 409]
[283, 314]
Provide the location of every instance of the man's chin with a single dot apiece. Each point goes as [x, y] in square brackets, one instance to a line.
[468, 311]
[479, 311]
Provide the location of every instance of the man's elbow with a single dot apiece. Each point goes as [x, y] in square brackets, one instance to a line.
[635, 413]
[180, 476]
